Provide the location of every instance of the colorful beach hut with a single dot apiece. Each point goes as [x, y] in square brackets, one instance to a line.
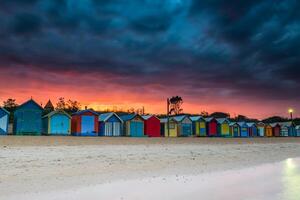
[85, 123]
[57, 122]
[287, 129]
[234, 129]
[211, 126]
[260, 129]
[184, 125]
[133, 125]
[110, 124]
[268, 130]
[4, 119]
[243, 129]
[151, 126]
[172, 127]
[252, 129]
[199, 126]
[28, 119]
[276, 129]
[223, 127]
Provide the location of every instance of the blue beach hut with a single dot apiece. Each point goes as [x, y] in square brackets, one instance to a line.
[110, 124]
[57, 122]
[252, 129]
[28, 119]
[243, 129]
[297, 131]
[133, 125]
[287, 129]
[4, 119]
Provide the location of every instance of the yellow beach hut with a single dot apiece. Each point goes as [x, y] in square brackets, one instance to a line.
[223, 127]
[268, 130]
[172, 127]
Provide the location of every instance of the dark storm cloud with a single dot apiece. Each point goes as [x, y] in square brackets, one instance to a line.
[245, 47]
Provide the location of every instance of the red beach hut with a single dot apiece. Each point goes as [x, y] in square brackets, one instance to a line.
[85, 123]
[276, 129]
[151, 126]
[211, 126]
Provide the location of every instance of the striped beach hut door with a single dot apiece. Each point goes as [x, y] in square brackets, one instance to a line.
[108, 131]
[116, 129]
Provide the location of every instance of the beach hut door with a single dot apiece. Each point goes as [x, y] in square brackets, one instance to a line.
[87, 124]
[3, 123]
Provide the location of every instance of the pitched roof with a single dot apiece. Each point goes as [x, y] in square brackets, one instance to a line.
[242, 124]
[128, 117]
[222, 120]
[179, 118]
[30, 101]
[84, 111]
[165, 120]
[250, 124]
[208, 119]
[5, 110]
[286, 124]
[55, 112]
[105, 116]
[274, 124]
[49, 105]
[196, 118]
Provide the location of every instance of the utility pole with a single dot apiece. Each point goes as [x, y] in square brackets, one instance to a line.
[168, 117]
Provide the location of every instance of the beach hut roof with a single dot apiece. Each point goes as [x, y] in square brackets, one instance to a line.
[84, 111]
[128, 117]
[179, 118]
[232, 123]
[105, 116]
[274, 124]
[31, 101]
[286, 124]
[165, 120]
[250, 124]
[55, 112]
[146, 117]
[222, 120]
[4, 110]
[242, 124]
[208, 119]
[196, 118]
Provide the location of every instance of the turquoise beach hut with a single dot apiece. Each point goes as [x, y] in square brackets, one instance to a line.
[4, 119]
[234, 129]
[133, 125]
[199, 126]
[298, 131]
[57, 122]
[287, 129]
[28, 119]
[110, 124]
[184, 125]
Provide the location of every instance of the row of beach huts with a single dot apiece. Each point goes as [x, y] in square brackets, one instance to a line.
[29, 120]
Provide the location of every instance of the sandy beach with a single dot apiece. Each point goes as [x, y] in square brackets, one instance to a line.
[33, 165]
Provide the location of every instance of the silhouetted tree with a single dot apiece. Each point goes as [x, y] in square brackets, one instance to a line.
[73, 106]
[275, 119]
[175, 105]
[219, 115]
[61, 104]
[10, 105]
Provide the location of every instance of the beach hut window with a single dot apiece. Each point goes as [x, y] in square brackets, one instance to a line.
[172, 126]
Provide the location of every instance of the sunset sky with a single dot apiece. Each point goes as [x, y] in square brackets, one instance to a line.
[241, 57]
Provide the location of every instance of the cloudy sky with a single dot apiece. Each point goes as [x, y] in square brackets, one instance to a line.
[241, 57]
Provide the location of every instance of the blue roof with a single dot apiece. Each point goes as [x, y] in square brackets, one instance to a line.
[4, 110]
[128, 117]
[31, 101]
[105, 116]
[179, 118]
[196, 118]
[222, 120]
[242, 124]
[84, 111]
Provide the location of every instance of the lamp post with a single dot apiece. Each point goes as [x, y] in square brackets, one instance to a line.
[291, 113]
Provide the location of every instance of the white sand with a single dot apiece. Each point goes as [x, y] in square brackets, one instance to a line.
[59, 169]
